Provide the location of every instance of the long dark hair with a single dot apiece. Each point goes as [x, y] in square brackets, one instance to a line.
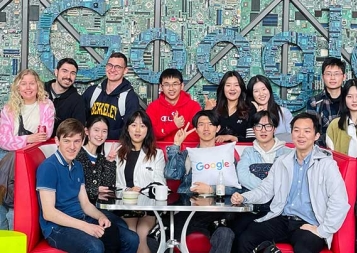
[89, 123]
[222, 103]
[149, 144]
[344, 111]
[273, 107]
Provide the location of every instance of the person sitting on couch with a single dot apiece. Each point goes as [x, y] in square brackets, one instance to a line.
[99, 174]
[254, 165]
[309, 198]
[179, 167]
[68, 220]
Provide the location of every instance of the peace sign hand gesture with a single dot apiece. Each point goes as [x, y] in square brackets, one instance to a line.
[181, 134]
[112, 153]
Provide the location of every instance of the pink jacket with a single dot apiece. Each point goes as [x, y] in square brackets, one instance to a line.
[11, 142]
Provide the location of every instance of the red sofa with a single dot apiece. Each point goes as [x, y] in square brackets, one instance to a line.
[26, 209]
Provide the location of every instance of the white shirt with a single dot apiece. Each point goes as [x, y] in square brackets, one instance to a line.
[351, 131]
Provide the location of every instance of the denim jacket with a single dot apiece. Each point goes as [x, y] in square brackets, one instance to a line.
[176, 169]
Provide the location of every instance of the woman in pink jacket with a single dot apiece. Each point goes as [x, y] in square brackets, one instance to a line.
[28, 117]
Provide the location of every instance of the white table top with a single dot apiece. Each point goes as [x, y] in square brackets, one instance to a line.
[175, 202]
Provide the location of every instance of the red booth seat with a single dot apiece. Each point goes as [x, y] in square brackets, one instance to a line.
[26, 208]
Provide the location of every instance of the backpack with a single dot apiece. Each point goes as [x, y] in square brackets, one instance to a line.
[267, 247]
[121, 99]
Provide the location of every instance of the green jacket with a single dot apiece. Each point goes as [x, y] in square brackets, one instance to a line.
[339, 139]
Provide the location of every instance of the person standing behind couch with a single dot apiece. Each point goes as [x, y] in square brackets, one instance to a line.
[174, 107]
[99, 174]
[234, 113]
[114, 98]
[27, 109]
[68, 103]
[139, 164]
[260, 94]
[341, 132]
[326, 105]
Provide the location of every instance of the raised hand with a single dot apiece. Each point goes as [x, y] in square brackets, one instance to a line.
[259, 107]
[179, 120]
[210, 103]
[112, 153]
[181, 134]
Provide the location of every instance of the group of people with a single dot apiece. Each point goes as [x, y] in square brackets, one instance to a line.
[299, 210]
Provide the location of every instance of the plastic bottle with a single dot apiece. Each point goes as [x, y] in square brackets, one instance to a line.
[220, 188]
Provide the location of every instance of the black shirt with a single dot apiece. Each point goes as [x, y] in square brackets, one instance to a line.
[131, 160]
[236, 125]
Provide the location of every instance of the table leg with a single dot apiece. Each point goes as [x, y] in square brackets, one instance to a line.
[183, 245]
[171, 243]
[162, 246]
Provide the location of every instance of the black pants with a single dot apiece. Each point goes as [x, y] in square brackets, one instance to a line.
[280, 229]
[240, 224]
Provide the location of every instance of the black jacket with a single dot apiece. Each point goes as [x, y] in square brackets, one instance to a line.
[68, 105]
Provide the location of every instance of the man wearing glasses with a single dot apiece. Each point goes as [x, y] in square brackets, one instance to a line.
[174, 107]
[326, 104]
[308, 195]
[114, 98]
[254, 165]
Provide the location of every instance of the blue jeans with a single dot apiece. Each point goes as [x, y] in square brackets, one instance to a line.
[129, 240]
[3, 153]
[76, 241]
[6, 218]
[4, 225]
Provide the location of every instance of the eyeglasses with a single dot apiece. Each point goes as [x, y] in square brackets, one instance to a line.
[116, 67]
[336, 74]
[267, 127]
[167, 85]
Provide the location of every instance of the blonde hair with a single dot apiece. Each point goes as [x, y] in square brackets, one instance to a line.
[16, 102]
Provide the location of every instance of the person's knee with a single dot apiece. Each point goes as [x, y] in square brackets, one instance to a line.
[223, 233]
[129, 241]
[244, 244]
[132, 237]
[95, 246]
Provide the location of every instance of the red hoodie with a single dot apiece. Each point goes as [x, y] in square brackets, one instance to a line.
[161, 114]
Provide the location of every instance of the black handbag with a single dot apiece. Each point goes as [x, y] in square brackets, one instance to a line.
[149, 190]
[22, 130]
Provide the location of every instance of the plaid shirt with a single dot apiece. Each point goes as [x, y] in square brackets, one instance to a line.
[326, 109]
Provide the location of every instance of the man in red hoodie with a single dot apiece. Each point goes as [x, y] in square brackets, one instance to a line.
[173, 109]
